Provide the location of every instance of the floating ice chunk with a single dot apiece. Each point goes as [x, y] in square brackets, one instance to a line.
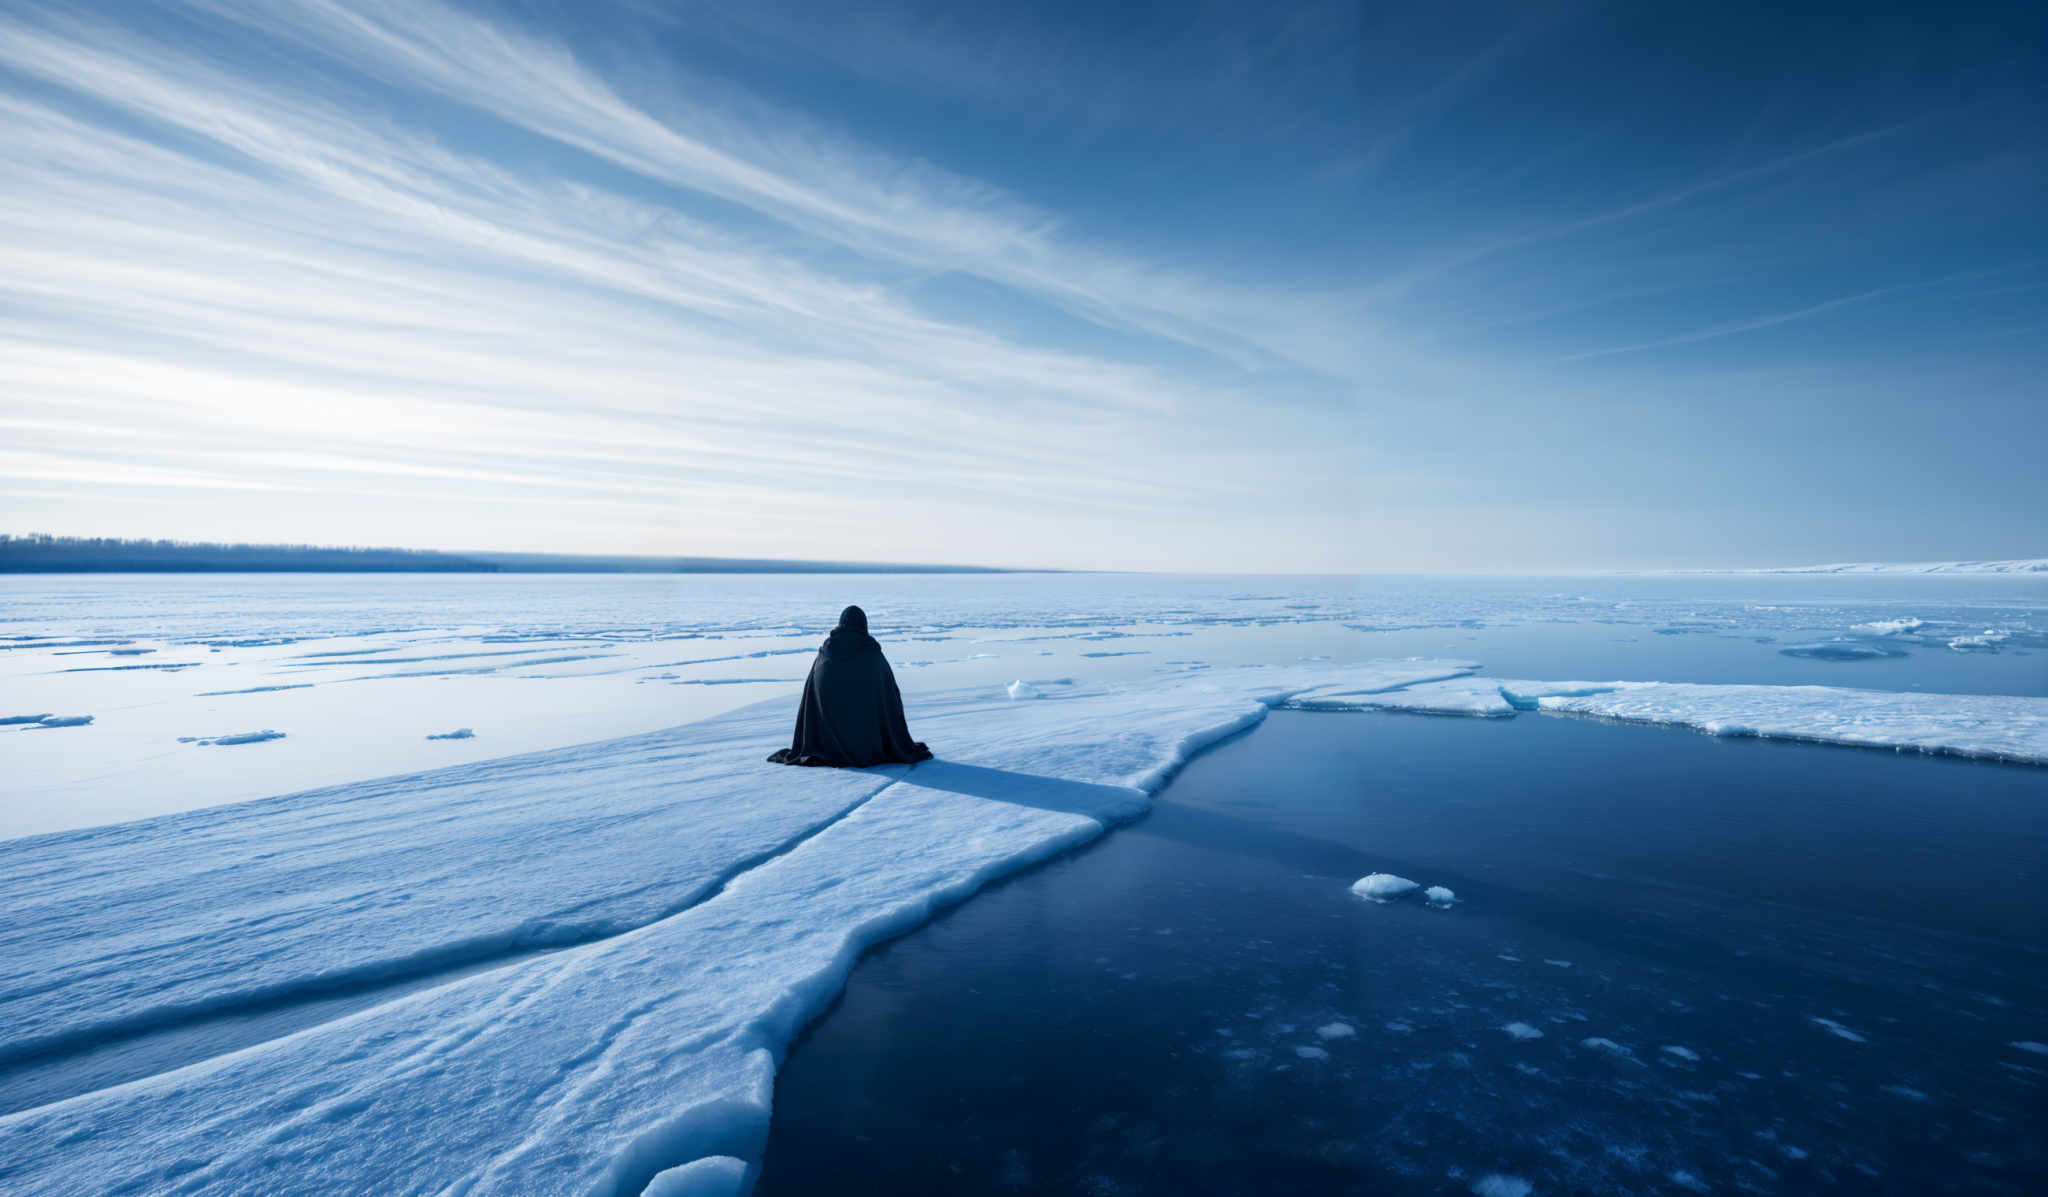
[1307, 1052]
[1335, 1030]
[1494, 1184]
[2028, 1045]
[1983, 642]
[1022, 689]
[62, 721]
[1382, 887]
[1889, 627]
[1439, 895]
[1841, 650]
[1600, 1044]
[1522, 1030]
[1791, 1152]
[1557, 963]
[254, 737]
[1683, 1053]
[712, 1176]
[1838, 1030]
[1686, 1180]
[460, 733]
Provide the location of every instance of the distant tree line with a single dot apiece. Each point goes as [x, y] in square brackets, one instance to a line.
[39, 554]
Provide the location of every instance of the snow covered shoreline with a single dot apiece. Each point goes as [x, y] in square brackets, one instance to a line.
[665, 913]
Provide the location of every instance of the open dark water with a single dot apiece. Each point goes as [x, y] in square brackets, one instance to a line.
[1847, 945]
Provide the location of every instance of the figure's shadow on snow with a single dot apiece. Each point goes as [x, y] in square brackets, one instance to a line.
[1026, 789]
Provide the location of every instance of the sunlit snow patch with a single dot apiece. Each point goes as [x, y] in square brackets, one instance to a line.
[1382, 887]
[1023, 689]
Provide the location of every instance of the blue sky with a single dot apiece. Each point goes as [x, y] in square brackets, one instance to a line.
[1238, 287]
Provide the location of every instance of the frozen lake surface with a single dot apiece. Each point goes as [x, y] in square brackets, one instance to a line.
[465, 941]
[352, 674]
[1766, 967]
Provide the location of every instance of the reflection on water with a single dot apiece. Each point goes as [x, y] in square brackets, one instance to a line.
[1676, 962]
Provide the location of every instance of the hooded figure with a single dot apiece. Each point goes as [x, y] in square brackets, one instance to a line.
[852, 712]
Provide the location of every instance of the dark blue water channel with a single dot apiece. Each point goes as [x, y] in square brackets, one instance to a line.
[1676, 963]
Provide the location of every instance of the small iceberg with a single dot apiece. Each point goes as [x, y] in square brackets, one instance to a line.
[1382, 887]
[1440, 896]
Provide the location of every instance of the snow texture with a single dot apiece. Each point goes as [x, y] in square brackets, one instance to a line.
[1382, 887]
[664, 912]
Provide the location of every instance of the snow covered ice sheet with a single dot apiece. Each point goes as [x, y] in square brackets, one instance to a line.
[665, 912]
[1985, 726]
[711, 904]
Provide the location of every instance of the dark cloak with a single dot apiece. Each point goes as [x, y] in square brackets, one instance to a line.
[852, 712]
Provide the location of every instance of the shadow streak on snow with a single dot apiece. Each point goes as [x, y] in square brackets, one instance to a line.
[41, 1071]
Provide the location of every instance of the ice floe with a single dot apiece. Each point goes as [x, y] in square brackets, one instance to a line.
[1522, 1030]
[666, 912]
[1988, 726]
[1335, 1030]
[1439, 896]
[1842, 649]
[1382, 887]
